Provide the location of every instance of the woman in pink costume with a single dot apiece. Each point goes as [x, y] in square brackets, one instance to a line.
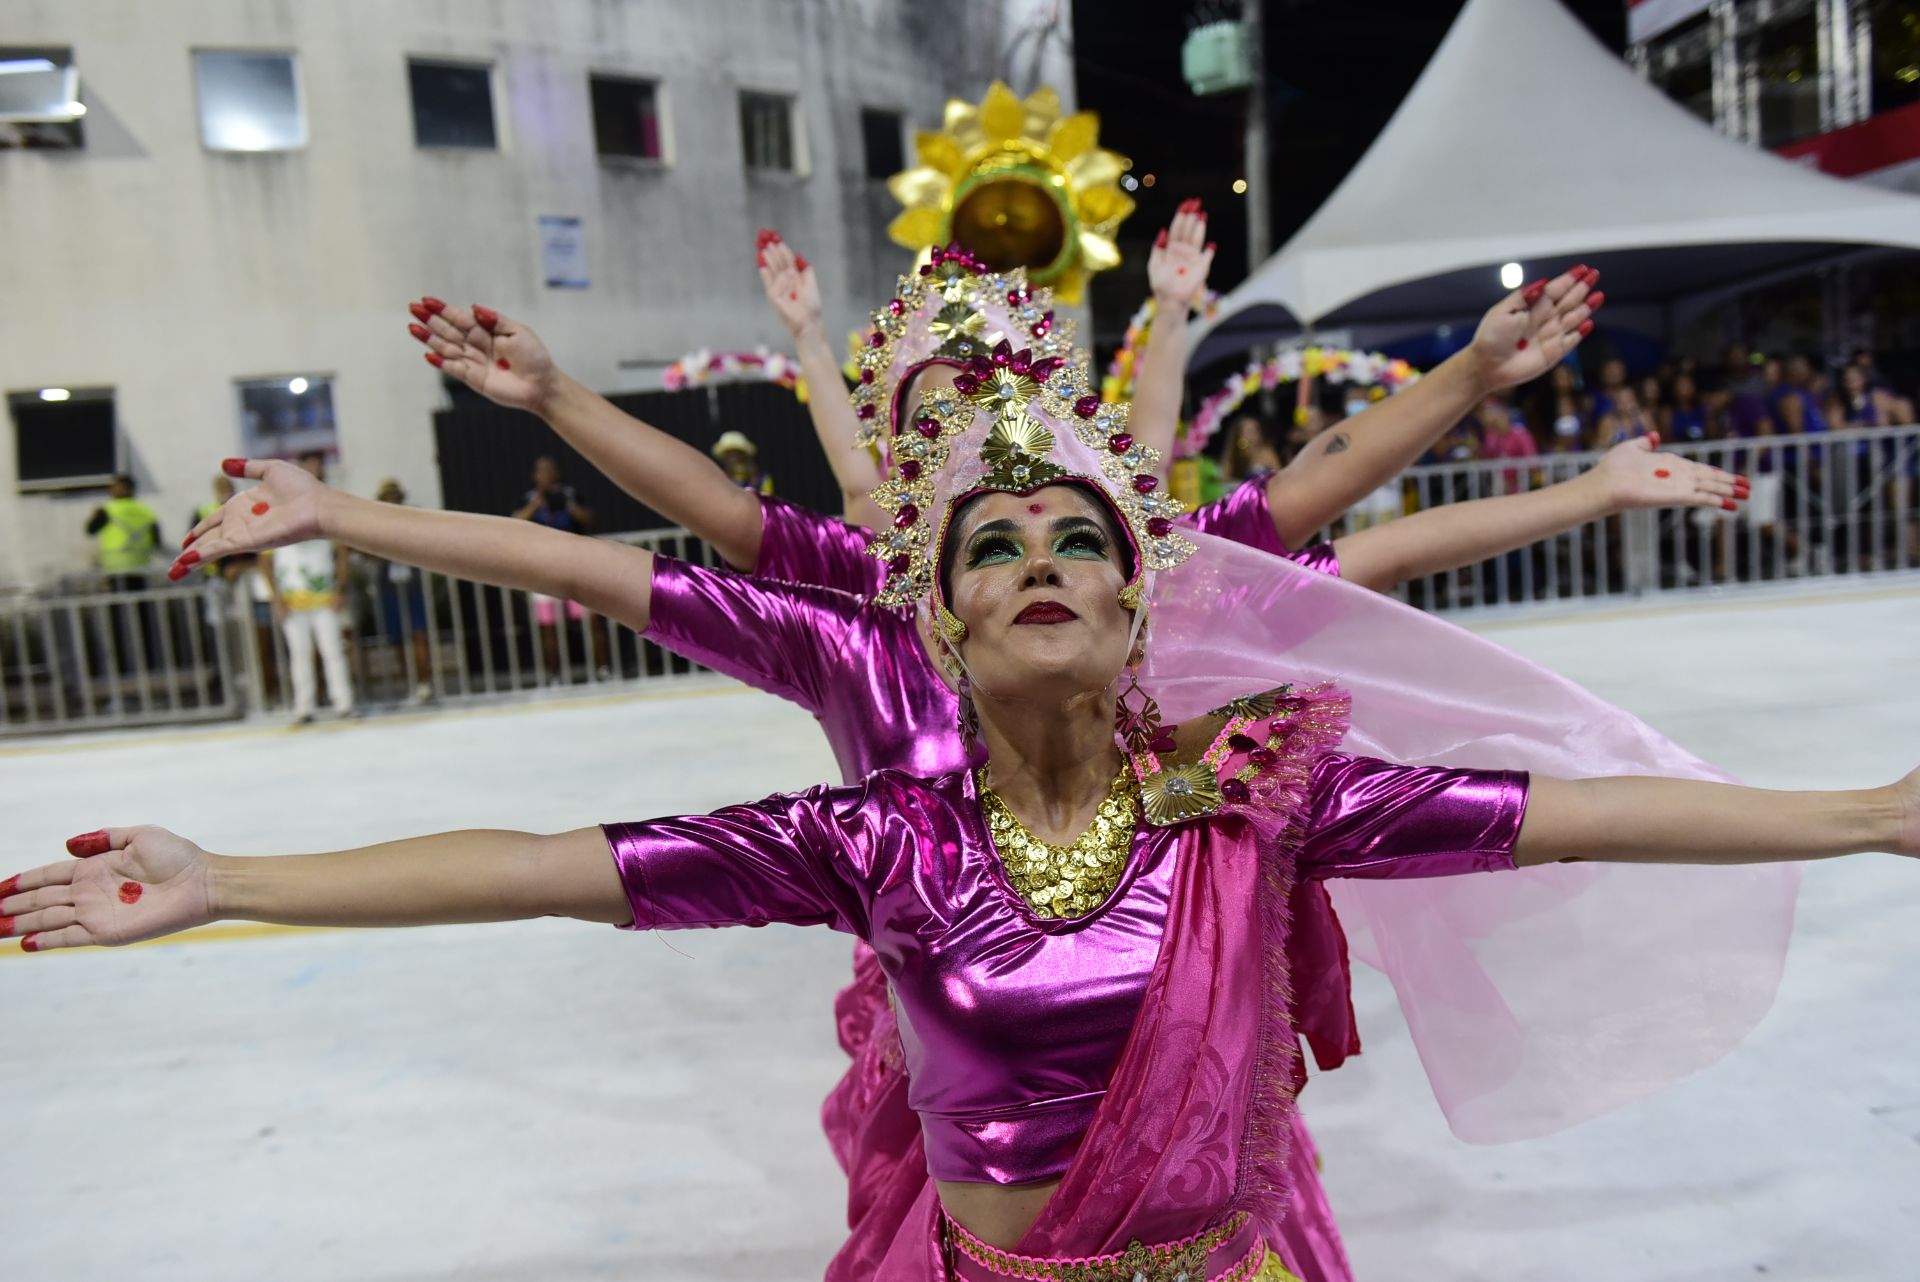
[1088, 933]
[883, 703]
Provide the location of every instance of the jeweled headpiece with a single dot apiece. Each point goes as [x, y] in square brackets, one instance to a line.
[951, 311]
[1015, 420]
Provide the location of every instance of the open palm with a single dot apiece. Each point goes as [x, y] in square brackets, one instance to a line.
[1531, 330]
[1178, 264]
[145, 883]
[791, 287]
[283, 509]
[490, 352]
[1636, 475]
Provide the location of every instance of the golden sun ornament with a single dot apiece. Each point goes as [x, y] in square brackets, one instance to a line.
[1018, 186]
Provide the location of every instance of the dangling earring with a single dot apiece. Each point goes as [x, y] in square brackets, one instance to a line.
[1130, 596]
[950, 624]
[1138, 726]
[969, 718]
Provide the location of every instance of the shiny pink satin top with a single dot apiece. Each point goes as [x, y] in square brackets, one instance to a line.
[859, 668]
[1011, 1023]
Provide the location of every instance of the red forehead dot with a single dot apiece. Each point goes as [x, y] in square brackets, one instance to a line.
[1036, 508]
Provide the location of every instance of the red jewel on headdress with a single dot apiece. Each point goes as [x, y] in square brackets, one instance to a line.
[866, 376]
[1002, 352]
[1262, 758]
[939, 255]
[926, 269]
[1019, 297]
[1043, 326]
[910, 469]
[1145, 484]
[900, 564]
[897, 307]
[876, 339]
[966, 384]
[1022, 362]
[867, 411]
[1243, 743]
[979, 366]
[1163, 743]
[906, 516]
[927, 427]
[1043, 369]
[1235, 791]
[1120, 442]
[1159, 527]
[1087, 406]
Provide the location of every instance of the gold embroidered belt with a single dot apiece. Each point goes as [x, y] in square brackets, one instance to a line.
[1230, 1252]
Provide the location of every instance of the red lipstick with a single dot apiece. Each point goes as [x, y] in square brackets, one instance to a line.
[1045, 612]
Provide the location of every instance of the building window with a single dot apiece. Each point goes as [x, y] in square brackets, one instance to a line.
[1784, 56]
[287, 417]
[766, 132]
[249, 101]
[452, 104]
[1895, 28]
[883, 137]
[626, 118]
[1680, 64]
[40, 103]
[64, 438]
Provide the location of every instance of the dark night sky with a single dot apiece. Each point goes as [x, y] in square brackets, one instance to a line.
[1336, 71]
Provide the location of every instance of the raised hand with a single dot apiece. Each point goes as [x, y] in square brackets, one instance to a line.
[1532, 329]
[122, 886]
[790, 284]
[283, 509]
[1634, 475]
[1181, 257]
[491, 353]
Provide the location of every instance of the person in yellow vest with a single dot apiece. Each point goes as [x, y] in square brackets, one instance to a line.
[309, 583]
[741, 459]
[126, 533]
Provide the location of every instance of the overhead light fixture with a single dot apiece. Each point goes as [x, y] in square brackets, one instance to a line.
[1511, 274]
[297, 385]
[76, 109]
[55, 394]
[1239, 186]
[21, 66]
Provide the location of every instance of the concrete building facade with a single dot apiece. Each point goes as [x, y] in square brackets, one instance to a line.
[154, 263]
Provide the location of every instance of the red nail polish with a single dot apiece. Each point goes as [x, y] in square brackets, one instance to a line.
[487, 317]
[1160, 241]
[176, 572]
[259, 509]
[1586, 328]
[435, 359]
[1731, 506]
[1594, 300]
[1211, 246]
[420, 332]
[800, 262]
[1520, 346]
[234, 466]
[31, 944]
[420, 313]
[189, 558]
[10, 886]
[1531, 294]
[88, 844]
[502, 363]
[760, 260]
[188, 541]
[6, 927]
[1662, 473]
[763, 238]
[130, 892]
[1579, 270]
[433, 305]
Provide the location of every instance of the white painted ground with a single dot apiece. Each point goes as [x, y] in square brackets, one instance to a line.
[558, 1101]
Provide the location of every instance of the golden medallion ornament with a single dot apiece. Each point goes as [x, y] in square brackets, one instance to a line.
[1066, 881]
[1018, 185]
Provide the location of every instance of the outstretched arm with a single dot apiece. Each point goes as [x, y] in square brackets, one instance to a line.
[795, 296]
[507, 363]
[1523, 336]
[289, 506]
[1177, 270]
[1670, 821]
[1457, 534]
[130, 884]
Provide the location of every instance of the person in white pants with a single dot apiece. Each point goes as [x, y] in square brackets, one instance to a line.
[308, 582]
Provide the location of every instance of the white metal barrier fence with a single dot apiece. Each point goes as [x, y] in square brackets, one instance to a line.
[1838, 503]
[1830, 503]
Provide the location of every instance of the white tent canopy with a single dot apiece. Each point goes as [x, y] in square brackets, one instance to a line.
[1526, 140]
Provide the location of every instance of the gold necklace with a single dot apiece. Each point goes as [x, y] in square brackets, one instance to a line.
[1066, 881]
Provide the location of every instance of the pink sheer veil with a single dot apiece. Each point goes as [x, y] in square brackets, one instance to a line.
[1536, 998]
